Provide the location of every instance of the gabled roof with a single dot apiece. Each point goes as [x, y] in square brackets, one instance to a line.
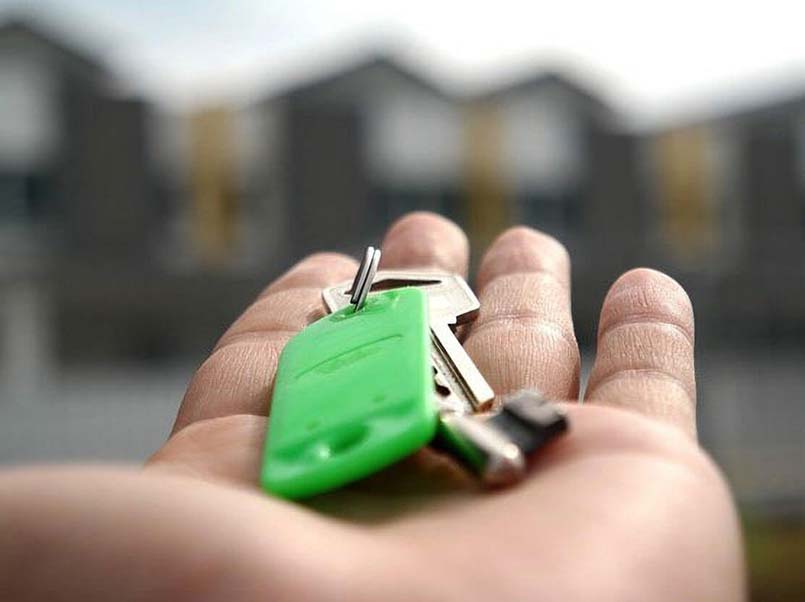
[374, 61]
[542, 79]
[585, 98]
[780, 105]
[54, 43]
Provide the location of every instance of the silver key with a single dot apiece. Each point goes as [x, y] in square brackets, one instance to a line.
[459, 384]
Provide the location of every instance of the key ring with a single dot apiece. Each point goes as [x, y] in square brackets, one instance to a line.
[365, 277]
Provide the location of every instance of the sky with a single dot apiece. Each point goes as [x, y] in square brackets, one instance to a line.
[650, 59]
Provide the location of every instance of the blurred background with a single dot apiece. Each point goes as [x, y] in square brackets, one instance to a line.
[159, 164]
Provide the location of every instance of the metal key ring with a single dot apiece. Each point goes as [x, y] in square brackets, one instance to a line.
[365, 277]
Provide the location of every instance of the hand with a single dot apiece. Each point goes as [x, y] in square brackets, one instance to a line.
[624, 507]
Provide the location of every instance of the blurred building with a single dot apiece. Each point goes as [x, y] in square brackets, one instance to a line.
[545, 151]
[72, 151]
[73, 179]
[346, 153]
[117, 207]
[727, 210]
[535, 135]
[350, 151]
[85, 270]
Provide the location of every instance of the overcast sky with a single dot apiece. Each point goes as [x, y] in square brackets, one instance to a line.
[652, 59]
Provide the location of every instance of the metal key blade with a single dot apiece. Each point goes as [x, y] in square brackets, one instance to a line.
[461, 367]
[451, 395]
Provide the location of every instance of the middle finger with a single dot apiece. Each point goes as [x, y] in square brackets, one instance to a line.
[428, 241]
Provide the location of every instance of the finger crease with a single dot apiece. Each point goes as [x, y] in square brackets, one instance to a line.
[643, 373]
[643, 320]
[526, 319]
[254, 336]
[550, 274]
[293, 289]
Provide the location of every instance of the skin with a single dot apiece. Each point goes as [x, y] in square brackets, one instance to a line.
[625, 507]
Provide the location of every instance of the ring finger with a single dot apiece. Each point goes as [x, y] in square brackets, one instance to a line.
[523, 337]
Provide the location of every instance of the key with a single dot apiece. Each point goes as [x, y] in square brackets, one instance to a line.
[496, 446]
[460, 385]
[353, 394]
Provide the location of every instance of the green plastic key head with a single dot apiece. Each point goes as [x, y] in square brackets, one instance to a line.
[353, 394]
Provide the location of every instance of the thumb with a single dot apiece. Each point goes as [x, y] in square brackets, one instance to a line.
[218, 449]
[122, 534]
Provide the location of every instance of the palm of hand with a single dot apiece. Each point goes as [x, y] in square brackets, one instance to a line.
[625, 507]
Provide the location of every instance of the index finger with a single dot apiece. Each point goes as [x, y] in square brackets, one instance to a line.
[238, 376]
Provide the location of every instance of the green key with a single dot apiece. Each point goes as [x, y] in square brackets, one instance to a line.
[353, 394]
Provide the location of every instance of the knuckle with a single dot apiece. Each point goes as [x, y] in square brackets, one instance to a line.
[644, 352]
[314, 270]
[236, 356]
[552, 333]
[543, 357]
[538, 289]
[646, 344]
[641, 377]
[280, 312]
[201, 430]
[222, 359]
[278, 301]
[522, 250]
[235, 378]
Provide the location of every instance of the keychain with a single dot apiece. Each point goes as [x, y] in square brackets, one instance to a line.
[383, 376]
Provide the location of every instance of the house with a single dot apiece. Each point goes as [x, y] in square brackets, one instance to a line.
[73, 189]
[346, 153]
[328, 163]
[548, 152]
[540, 128]
[725, 196]
[82, 274]
[727, 199]
[72, 152]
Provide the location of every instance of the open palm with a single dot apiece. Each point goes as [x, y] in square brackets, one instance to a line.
[625, 507]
